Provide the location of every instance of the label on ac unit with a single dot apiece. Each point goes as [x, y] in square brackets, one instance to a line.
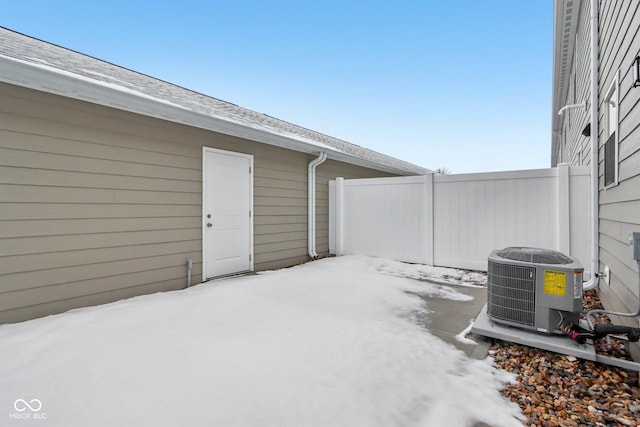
[555, 283]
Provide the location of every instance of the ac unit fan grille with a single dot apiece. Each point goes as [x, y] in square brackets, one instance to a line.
[511, 293]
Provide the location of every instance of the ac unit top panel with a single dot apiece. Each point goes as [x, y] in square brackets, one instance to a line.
[528, 256]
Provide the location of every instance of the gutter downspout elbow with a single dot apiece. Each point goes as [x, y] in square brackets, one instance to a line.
[571, 106]
[594, 280]
[311, 211]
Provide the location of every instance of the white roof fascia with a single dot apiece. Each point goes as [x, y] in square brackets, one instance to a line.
[59, 82]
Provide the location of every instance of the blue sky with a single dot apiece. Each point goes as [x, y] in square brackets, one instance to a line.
[464, 85]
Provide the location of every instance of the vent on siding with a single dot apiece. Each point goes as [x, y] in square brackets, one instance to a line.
[511, 293]
[610, 160]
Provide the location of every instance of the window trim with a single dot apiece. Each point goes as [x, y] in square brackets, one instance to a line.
[612, 94]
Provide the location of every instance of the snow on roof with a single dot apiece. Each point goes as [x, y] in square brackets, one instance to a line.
[58, 62]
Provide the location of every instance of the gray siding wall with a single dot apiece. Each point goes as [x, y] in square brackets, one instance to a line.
[620, 205]
[98, 205]
[619, 209]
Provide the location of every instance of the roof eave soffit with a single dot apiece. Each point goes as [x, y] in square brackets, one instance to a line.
[565, 23]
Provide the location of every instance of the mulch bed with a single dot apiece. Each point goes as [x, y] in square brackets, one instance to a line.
[559, 390]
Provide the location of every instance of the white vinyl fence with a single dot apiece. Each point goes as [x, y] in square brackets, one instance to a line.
[457, 220]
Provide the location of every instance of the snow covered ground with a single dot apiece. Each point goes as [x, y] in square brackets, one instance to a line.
[328, 343]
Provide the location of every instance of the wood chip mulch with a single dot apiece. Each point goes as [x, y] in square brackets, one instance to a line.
[558, 390]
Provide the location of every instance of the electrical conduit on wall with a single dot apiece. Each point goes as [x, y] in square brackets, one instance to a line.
[311, 192]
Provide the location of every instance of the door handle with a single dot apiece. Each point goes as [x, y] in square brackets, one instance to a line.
[209, 225]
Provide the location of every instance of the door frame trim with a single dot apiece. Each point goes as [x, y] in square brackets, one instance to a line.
[204, 192]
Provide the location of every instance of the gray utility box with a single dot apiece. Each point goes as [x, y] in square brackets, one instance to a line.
[533, 288]
[634, 241]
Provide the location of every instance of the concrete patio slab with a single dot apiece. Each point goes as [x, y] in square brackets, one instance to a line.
[447, 318]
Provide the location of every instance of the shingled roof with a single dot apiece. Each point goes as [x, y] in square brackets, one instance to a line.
[36, 64]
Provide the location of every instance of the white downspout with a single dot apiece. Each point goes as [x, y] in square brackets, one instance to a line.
[568, 107]
[593, 281]
[311, 221]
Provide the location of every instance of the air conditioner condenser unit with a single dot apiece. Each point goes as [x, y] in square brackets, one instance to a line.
[535, 289]
[534, 297]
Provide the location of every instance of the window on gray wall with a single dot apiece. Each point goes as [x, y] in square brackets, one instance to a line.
[611, 104]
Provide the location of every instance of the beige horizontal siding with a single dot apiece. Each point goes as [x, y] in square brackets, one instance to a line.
[296, 211]
[282, 258]
[58, 259]
[289, 236]
[38, 140]
[58, 178]
[63, 162]
[97, 204]
[280, 208]
[72, 211]
[68, 281]
[32, 228]
[47, 194]
[267, 229]
[132, 289]
[284, 193]
[269, 221]
[272, 201]
[54, 243]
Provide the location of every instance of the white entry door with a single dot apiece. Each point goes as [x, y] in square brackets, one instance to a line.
[227, 236]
